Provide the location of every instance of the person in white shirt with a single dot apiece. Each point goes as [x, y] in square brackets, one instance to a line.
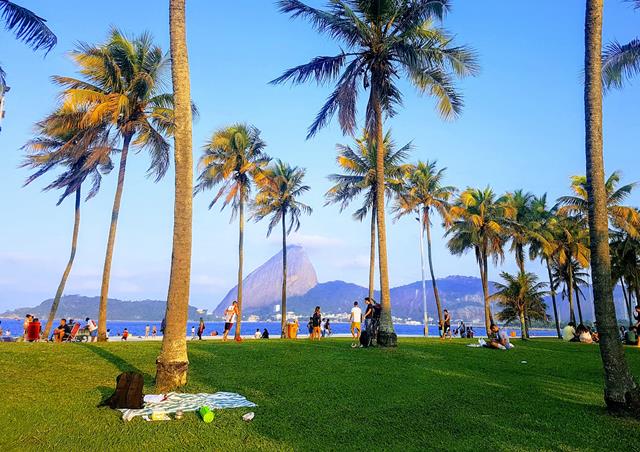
[230, 317]
[257, 334]
[93, 329]
[355, 318]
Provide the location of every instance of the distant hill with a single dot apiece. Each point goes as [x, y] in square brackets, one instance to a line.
[77, 306]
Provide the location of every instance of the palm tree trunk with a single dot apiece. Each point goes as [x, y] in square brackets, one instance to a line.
[520, 262]
[424, 285]
[523, 334]
[283, 305]
[627, 300]
[553, 299]
[572, 316]
[173, 361]
[485, 291]
[115, 211]
[240, 263]
[436, 294]
[386, 333]
[577, 291]
[372, 253]
[621, 392]
[67, 270]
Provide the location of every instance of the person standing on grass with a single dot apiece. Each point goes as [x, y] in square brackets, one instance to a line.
[146, 332]
[193, 332]
[326, 332]
[316, 321]
[163, 325]
[93, 329]
[446, 332]
[355, 317]
[125, 335]
[230, 317]
[201, 328]
[368, 313]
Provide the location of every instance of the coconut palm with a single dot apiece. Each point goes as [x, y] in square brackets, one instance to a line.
[359, 178]
[571, 245]
[542, 235]
[382, 40]
[280, 187]
[518, 230]
[424, 193]
[232, 158]
[519, 294]
[621, 392]
[479, 221]
[574, 276]
[123, 82]
[625, 268]
[621, 62]
[27, 27]
[620, 216]
[81, 153]
[173, 362]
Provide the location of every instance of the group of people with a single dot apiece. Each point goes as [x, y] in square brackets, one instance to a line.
[65, 331]
[581, 333]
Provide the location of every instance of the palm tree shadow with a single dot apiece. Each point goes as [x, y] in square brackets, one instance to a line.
[121, 364]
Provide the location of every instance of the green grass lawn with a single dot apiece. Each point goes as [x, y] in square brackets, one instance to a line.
[424, 395]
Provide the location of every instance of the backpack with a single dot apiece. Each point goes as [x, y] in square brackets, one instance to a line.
[128, 393]
[365, 339]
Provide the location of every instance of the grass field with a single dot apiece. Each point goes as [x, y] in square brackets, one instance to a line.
[425, 395]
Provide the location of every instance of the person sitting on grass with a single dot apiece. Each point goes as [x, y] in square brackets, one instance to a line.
[583, 335]
[630, 336]
[496, 341]
[257, 334]
[265, 334]
[63, 331]
[569, 332]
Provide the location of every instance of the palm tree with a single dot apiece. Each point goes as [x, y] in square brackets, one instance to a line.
[519, 294]
[573, 276]
[81, 153]
[621, 62]
[172, 364]
[518, 230]
[233, 157]
[625, 268]
[280, 186]
[541, 238]
[621, 392]
[570, 246]
[28, 28]
[479, 224]
[359, 178]
[620, 216]
[424, 193]
[123, 82]
[382, 39]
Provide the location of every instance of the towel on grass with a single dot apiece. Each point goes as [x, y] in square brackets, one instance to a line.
[187, 402]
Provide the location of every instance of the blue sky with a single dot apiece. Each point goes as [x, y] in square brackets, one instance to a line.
[522, 127]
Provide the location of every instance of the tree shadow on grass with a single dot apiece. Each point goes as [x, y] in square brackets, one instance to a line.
[119, 362]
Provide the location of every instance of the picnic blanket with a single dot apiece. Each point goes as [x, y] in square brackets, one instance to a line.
[187, 402]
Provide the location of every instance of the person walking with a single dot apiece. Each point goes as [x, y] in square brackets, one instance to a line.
[193, 332]
[230, 317]
[201, 328]
[447, 325]
[146, 332]
[93, 329]
[326, 332]
[355, 318]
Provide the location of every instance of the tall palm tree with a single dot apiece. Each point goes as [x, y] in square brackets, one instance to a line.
[519, 294]
[280, 187]
[359, 178]
[541, 233]
[621, 62]
[233, 157]
[570, 246]
[27, 27]
[479, 224]
[570, 275]
[383, 40]
[424, 193]
[172, 364]
[620, 216]
[123, 83]
[518, 230]
[81, 153]
[621, 392]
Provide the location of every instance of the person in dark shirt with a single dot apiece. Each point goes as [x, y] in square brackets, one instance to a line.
[265, 334]
[447, 324]
[368, 313]
[62, 332]
[316, 321]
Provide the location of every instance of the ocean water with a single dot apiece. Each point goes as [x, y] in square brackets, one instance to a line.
[136, 328]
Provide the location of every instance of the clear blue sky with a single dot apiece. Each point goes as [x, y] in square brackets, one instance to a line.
[522, 128]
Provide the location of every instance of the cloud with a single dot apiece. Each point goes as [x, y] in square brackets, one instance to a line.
[313, 241]
[358, 261]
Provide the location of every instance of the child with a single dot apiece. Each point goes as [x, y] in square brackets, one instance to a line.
[125, 334]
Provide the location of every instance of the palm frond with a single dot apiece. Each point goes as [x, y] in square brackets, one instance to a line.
[27, 26]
